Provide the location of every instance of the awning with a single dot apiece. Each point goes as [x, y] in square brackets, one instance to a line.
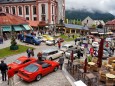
[6, 28]
[94, 32]
[101, 33]
[18, 28]
[27, 27]
[109, 33]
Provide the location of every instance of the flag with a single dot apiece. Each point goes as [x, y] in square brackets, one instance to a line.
[100, 53]
[85, 66]
[72, 56]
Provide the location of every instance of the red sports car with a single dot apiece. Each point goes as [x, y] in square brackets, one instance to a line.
[60, 39]
[35, 71]
[21, 62]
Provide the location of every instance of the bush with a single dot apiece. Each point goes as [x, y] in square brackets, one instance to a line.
[89, 58]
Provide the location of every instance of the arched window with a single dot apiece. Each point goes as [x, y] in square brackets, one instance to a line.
[7, 10]
[13, 10]
[34, 10]
[0, 9]
[27, 10]
[43, 8]
[20, 10]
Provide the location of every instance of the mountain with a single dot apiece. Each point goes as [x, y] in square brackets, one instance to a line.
[82, 14]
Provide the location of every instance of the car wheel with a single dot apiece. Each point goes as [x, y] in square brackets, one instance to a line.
[55, 69]
[50, 58]
[75, 57]
[38, 77]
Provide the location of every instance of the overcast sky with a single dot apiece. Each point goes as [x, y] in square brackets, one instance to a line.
[102, 5]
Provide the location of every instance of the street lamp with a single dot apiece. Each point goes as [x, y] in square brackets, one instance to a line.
[105, 32]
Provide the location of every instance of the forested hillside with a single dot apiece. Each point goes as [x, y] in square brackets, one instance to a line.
[82, 14]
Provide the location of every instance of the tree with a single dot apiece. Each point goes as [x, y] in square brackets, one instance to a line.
[14, 45]
[100, 26]
[93, 26]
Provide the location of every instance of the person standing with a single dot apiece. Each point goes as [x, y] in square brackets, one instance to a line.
[39, 55]
[91, 51]
[3, 68]
[32, 52]
[73, 36]
[10, 76]
[59, 44]
[78, 53]
[61, 61]
[54, 42]
[28, 52]
[75, 41]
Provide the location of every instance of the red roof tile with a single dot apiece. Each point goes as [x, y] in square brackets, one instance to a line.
[33, 23]
[37, 23]
[111, 22]
[9, 19]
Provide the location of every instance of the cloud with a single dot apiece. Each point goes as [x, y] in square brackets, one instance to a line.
[101, 5]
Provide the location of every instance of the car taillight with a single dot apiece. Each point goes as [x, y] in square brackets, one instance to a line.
[26, 75]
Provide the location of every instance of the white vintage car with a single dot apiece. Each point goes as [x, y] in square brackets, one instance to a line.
[68, 53]
[95, 44]
[51, 54]
[65, 47]
[50, 42]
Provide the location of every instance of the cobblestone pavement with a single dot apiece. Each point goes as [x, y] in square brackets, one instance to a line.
[52, 79]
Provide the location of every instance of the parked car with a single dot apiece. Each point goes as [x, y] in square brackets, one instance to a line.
[50, 42]
[42, 39]
[32, 39]
[48, 37]
[109, 39]
[36, 71]
[105, 53]
[21, 62]
[59, 40]
[68, 53]
[95, 44]
[66, 47]
[108, 50]
[84, 40]
[51, 54]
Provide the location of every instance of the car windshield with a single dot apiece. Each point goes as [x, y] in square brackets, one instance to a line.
[69, 51]
[39, 37]
[31, 68]
[44, 54]
[18, 62]
[105, 52]
[95, 43]
[50, 40]
[49, 36]
[64, 46]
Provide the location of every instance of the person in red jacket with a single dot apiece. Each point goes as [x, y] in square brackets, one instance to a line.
[59, 44]
[10, 76]
[91, 51]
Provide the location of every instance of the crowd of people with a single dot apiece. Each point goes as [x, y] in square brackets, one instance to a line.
[7, 73]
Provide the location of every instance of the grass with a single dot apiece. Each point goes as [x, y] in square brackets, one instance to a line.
[7, 52]
[66, 38]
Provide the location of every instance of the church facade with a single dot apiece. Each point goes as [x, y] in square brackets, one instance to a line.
[49, 11]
